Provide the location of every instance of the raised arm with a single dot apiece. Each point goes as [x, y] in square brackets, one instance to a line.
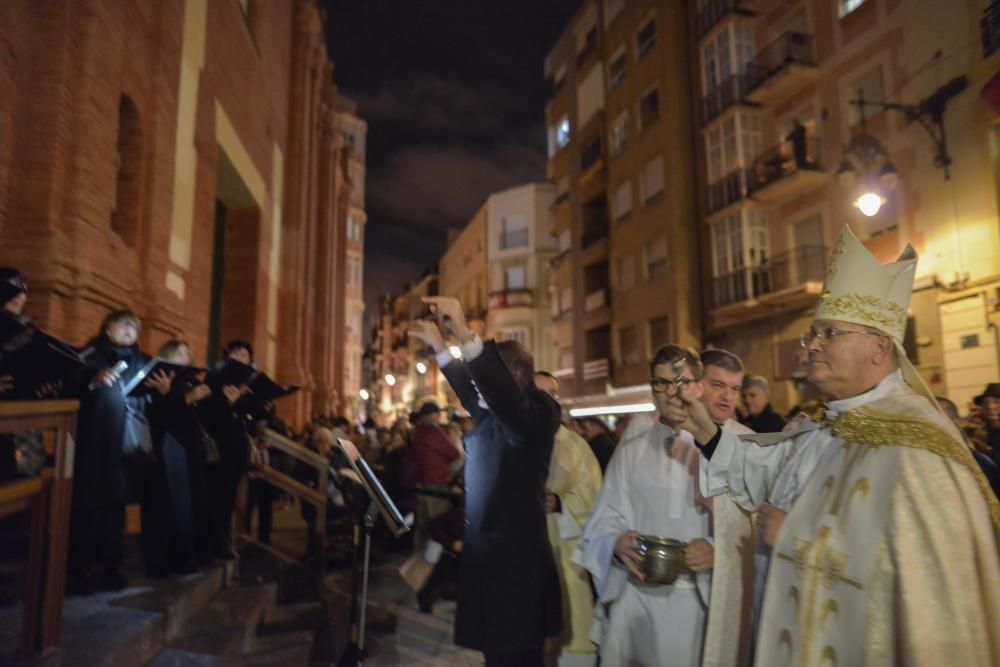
[455, 371]
[523, 412]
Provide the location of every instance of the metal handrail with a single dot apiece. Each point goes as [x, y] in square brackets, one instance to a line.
[724, 96]
[790, 48]
[315, 497]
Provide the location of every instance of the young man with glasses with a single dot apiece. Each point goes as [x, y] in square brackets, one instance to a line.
[883, 528]
[651, 488]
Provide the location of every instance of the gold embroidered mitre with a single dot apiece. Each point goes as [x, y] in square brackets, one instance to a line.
[860, 290]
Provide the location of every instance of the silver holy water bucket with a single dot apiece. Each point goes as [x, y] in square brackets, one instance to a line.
[661, 558]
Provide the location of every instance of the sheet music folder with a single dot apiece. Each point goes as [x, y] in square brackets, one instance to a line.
[135, 386]
[34, 358]
[386, 507]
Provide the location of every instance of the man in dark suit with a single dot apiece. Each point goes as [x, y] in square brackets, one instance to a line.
[509, 599]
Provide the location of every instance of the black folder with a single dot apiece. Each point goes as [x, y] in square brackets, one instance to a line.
[34, 358]
[136, 384]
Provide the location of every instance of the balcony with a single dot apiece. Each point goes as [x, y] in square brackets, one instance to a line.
[713, 11]
[728, 190]
[781, 69]
[789, 280]
[989, 29]
[596, 309]
[512, 298]
[596, 369]
[788, 171]
[725, 96]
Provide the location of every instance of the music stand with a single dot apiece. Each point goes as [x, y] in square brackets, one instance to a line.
[379, 504]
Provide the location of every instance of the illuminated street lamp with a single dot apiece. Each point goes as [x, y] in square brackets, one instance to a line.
[364, 394]
[421, 367]
[390, 379]
[866, 151]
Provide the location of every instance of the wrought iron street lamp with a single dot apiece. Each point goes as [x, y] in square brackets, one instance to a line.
[864, 152]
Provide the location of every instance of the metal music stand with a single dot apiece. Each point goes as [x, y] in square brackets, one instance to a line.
[379, 504]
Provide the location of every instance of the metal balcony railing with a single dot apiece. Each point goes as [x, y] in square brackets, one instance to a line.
[729, 189]
[789, 49]
[789, 269]
[989, 27]
[723, 97]
[784, 160]
[713, 11]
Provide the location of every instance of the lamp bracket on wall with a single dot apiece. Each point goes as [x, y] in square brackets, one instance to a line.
[929, 113]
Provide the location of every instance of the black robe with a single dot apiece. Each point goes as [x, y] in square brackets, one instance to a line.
[509, 598]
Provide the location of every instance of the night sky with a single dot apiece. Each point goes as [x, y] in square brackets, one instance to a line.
[454, 96]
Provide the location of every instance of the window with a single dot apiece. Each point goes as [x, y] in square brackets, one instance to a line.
[560, 78]
[357, 176]
[649, 108]
[625, 270]
[565, 299]
[616, 70]
[727, 55]
[645, 39]
[629, 346]
[514, 277]
[739, 257]
[659, 333]
[619, 133]
[848, 6]
[652, 179]
[871, 86]
[612, 8]
[353, 229]
[622, 203]
[562, 132]
[590, 153]
[514, 232]
[732, 144]
[590, 95]
[519, 334]
[656, 258]
[565, 240]
[125, 215]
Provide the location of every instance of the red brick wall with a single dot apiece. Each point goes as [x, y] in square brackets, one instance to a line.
[64, 67]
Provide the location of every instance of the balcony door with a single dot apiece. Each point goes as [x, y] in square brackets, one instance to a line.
[809, 252]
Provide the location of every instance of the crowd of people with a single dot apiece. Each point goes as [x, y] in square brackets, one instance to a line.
[859, 528]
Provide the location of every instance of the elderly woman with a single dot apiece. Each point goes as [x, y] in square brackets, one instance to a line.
[100, 485]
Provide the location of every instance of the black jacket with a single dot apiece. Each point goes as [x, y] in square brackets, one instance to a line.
[768, 421]
[509, 598]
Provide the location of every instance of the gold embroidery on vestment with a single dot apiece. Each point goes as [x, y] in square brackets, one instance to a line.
[879, 429]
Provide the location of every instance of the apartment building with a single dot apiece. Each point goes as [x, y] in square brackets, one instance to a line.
[621, 143]
[463, 272]
[403, 372]
[519, 251]
[354, 131]
[805, 106]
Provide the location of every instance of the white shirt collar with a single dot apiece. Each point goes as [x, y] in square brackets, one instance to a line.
[889, 384]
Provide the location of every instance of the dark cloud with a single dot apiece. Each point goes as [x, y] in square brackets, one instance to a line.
[443, 187]
[454, 96]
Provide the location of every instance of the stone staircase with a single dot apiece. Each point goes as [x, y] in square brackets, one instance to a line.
[258, 611]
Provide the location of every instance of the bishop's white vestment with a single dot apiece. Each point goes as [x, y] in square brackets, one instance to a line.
[888, 555]
[651, 486]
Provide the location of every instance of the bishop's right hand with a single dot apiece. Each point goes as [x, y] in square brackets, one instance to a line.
[626, 553]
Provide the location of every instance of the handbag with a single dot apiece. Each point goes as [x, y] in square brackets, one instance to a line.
[137, 439]
[211, 447]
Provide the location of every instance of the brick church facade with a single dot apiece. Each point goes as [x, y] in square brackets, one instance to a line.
[185, 159]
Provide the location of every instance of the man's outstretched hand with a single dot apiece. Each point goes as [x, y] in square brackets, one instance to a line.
[429, 333]
[449, 313]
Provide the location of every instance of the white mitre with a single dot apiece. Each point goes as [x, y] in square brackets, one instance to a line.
[860, 290]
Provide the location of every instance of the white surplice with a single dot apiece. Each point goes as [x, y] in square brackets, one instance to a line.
[651, 486]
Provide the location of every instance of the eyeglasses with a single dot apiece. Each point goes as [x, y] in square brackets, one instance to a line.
[669, 387]
[826, 334]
